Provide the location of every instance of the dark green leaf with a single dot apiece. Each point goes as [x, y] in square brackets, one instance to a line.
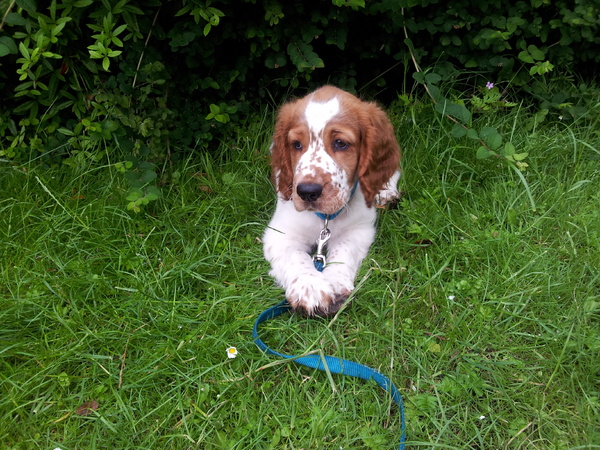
[154, 191]
[536, 53]
[491, 137]
[509, 149]
[148, 176]
[28, 5]
[7, 46]
[303, 56]
[472, 134]
[432, 77]
[525, 57]
[419, 77]
[434, 91]
[14, 19]
[275, 61]
[458, 111]
[520, 156]
[483, 153]
[133, 195]
[458, 131]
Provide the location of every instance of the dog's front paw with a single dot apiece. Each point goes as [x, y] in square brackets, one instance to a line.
[386, 197]
[314, 296]
[389, 195]
[336, 303]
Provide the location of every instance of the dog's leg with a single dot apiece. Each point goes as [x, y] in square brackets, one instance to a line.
[389, 193]
[345, 255]
[287, 245]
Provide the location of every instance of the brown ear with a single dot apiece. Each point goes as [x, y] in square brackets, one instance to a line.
[379, 153]
[281, 162]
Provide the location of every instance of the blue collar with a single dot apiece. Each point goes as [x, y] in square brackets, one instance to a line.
[334, 215]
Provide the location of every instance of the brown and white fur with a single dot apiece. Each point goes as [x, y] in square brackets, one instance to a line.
[323, 144]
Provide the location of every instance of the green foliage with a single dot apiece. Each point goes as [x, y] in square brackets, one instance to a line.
[142, 188]
[106, 38]
[489, 138]
[162, 77]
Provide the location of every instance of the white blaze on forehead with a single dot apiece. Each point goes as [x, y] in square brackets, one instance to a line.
[318, 114]
[315, 160]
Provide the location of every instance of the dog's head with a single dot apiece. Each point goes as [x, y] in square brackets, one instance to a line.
[325, 143]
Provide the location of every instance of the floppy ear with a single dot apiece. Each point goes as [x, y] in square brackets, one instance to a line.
[281, 162]
[379, 153]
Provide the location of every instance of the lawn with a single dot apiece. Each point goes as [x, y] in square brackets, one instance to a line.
[480, 300]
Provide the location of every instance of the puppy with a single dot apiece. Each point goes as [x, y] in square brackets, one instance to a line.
[333, 158]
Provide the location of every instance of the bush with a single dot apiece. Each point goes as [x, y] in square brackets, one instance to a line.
[152, 79]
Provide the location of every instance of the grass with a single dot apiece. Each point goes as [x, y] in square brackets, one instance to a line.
[481, 308]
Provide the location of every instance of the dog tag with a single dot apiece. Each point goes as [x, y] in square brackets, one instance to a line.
[319, 257]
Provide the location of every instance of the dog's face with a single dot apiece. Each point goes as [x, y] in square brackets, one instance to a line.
[327, 142]
[324, 157]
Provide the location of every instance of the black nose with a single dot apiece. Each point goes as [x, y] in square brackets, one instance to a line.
[309, 192]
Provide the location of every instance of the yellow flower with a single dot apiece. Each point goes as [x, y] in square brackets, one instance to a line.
[232, 352]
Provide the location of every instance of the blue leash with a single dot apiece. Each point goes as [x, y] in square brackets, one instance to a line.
[331, 363]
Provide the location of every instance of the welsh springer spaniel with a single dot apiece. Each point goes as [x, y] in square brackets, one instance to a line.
[333, 158]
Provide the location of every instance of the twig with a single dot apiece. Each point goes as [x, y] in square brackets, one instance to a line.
[6, 14]
[418, 69]
[519, 432]
[137, 69]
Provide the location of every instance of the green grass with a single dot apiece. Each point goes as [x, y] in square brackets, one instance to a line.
[482, 308]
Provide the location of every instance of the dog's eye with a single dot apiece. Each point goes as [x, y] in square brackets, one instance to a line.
[338, 144]
[297, 145]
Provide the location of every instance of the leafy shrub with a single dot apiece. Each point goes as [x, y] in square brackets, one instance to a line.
[154, 78]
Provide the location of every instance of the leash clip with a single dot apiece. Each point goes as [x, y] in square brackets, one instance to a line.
[319, 259]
